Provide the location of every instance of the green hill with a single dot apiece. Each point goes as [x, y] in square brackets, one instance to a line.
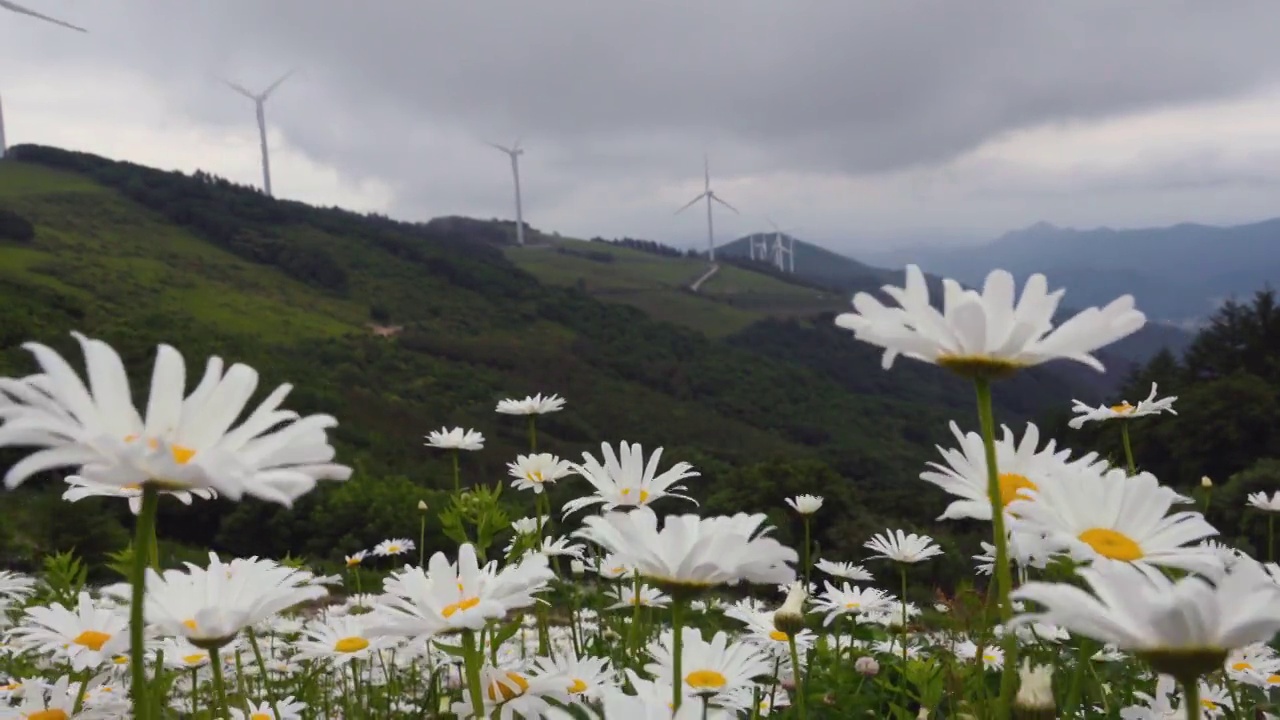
[397, 328]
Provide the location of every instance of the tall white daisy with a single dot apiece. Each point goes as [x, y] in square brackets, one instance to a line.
[534, 472]
[1122, 410]
[901, 547]
[455, 439]
[181, 443]
[986, 333]
[626, 480]
[531, 405]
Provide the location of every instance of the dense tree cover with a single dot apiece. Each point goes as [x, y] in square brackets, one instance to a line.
[15, 227]
[650, 246]
[1227, 425]
[781, 409]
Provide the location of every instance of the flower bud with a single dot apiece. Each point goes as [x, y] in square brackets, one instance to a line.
[866, 665]
[1206, 482]
[422, 505]
[577, 567]
[789, 618]
[1034, 700]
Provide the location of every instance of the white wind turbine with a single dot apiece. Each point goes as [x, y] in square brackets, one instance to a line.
[783, 252]
[710, 195]
[259, 100]
[515, 151]
[12, 6]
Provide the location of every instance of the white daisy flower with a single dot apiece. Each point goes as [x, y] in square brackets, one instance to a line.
[339, 640]
[1122, 411]
[718, 669]
[900, 547]
[693, 551]
[86, 637]
[393, 547]
[532, 405]
[355, 559]
[627, 596]
[850, 600]
[1162, 619]
[182, 443]
[533, 472]
[513, 693]
[15, 586]
[455, 439]
[625, 480]
[805, 504]
[1118, 517]
[992, 655]
[81, 488]
[844, 570]
[290, 709]
[589, 678]
[1020, 465]
[1260, 501]
[986, 332]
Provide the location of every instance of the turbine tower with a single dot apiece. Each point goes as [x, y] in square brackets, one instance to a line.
[783, 252]
[14, 7]
[259, 101]
[709, 195]
[515, 151]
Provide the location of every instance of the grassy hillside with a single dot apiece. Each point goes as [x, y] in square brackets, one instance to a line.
[137, 256]
[728, 302]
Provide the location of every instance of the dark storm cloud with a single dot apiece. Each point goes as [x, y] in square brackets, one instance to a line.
[604, 88]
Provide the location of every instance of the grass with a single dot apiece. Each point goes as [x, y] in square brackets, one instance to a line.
[120, 261]
[730, 300]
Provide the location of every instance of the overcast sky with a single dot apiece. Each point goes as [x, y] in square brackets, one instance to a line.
[857, 122]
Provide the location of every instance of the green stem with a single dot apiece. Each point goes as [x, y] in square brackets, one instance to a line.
[154, 546]
[635, 612]
[472, 658]
[902, 570]
[1191, 699]
[262, 668]
[806, 553]
[422, 538]
[677, 654]
[84, 687]
[795, 670]
[1128, 449]
[1084, 655]
[219, 688]
[144, 531]
[1271, 537]
[457, 474]
[1004, 578]
[533, 434]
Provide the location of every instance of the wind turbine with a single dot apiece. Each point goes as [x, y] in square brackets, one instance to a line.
[12, 6]
[515, 151]
[259, 100]
[710, 195]
[784, 245]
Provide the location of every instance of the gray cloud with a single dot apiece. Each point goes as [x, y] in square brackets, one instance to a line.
[616, 101]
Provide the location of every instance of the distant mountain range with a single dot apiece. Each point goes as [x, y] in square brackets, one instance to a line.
[840, 273]
[1178, 274]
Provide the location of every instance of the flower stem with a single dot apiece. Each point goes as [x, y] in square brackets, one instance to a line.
[262, 668]
[1128, 448]
[1271, 537]
[677, 654]
[806, 553]
[1191, 699]
[472, 658]
[902, 569]
[533, 434]
[143, 534]
[795, 670]
[422, 539]
[457, 474]
[219, 687]
[1004, 579]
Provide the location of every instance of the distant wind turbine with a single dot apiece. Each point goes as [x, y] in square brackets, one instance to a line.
[709, 195]
[12, 6]
[515, 151]
[784, 246]
[259, 100]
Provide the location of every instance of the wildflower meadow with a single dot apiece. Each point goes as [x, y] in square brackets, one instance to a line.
[1099, 593]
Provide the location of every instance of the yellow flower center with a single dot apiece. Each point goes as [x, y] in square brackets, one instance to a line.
[778, 635]
[466, 604]
[120, 660]
[534, 476]
[189, 624]
[181, 455]
[1124, 408]
[852, 605]
[1242, 666]
[515, 686]
[53, 714]
[578, 686]
[353, 561]
[618, 570]
[393, 548]
[1112, 544]
[1273, 679]
[644, 495]
[195, 659]
[350, 645]
[261, 716]
[1010, 484]
[1209, 704]
[92, 639]
[705, 680]
[988, 657]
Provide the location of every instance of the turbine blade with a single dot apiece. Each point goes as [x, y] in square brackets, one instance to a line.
[241, 89]
[706, 170]
[27, 11]
[272, 87]
[691, 203]
[496, 145]
[717, 199]
[772, 223]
